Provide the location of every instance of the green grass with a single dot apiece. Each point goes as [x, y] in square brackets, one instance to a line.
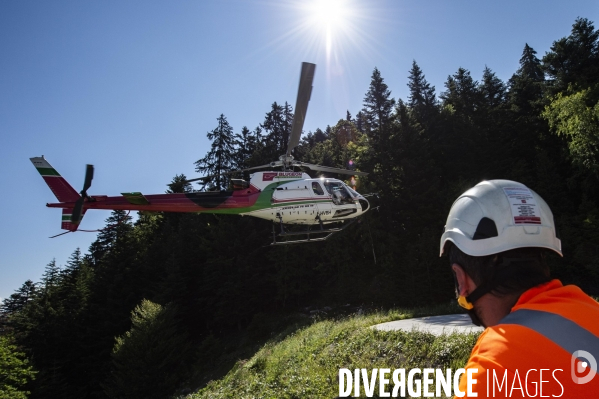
[305, 363]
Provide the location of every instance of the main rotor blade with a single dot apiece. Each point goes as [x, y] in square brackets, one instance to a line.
[330, 169]
[89, 175]
[230, 172]
[301, 104]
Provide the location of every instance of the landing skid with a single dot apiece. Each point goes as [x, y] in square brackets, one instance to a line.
[307, 235]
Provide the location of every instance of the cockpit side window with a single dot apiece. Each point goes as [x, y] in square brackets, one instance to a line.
[317, 188]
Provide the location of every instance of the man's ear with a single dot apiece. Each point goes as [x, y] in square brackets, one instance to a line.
[465, 284]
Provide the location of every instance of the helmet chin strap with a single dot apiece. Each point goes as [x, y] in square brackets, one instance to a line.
[467, 302]
[480, 291]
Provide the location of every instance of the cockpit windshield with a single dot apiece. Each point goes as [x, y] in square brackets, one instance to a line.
[339, 192]
[352, 192]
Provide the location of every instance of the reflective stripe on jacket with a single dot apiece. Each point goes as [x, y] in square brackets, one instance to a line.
[541, 348]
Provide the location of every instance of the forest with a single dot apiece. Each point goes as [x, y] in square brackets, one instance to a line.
[152, 302]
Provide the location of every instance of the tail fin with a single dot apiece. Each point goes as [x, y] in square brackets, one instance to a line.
[67, 224]
[63, 191]
[59, 186]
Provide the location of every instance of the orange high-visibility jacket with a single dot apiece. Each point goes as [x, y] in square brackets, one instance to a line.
[548, 343]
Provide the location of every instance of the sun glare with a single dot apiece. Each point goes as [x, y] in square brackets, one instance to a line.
[335, 28]
[328, 12]
[330, 17]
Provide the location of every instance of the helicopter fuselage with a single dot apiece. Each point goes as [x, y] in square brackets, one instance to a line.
[285, 197]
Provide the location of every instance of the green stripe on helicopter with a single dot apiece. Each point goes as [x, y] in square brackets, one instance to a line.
[48, 172]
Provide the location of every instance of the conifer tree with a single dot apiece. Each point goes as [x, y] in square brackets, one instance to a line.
[422, 97]
[75, 284]
[359, 122]
[528, 131]
[462, 93]
[492, 89]
[52, 275]
[220, 157]
[245, 145]
[277, 126]
[179, 184]
[530, 65]
[378, 104]
[526, 86]
[574, 59]
[118, 224]
[17, 301]
[73, 263]
[377, 111]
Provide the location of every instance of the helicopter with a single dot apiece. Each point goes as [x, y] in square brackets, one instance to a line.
[286, 197]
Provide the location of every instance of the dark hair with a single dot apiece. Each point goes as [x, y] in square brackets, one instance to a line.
[509, 272]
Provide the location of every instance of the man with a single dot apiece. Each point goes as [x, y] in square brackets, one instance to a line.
[541, 338]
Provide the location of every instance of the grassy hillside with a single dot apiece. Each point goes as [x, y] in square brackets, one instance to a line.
[305, 363]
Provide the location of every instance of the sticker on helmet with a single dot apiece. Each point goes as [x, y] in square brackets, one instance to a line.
[523, 205]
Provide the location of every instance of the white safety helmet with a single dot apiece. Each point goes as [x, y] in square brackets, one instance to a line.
[498, 215]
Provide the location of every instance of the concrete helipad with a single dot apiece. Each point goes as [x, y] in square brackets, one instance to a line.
[437, 325]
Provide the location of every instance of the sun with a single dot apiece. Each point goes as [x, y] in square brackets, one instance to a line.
[337, 29]
[331, 17]
[330, 13]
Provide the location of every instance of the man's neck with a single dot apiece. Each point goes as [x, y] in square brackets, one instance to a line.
[491, 309]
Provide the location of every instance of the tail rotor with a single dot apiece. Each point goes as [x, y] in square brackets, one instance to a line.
[89, 175]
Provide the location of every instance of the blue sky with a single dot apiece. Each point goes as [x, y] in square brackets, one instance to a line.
[133, 87]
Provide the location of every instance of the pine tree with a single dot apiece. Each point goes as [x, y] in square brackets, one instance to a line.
[492, 89]
[526, 86]
[463, 125]
[277, 125]
[574, 59]
[118, 224]
[378, 104]
[530, 65]
[359, 122]
[220, 157]
[422, 97]
[52, 275]
[17, 301]
[73, 263]
[245, 145]
[179, 184]
[462, 93]
[75, 286]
